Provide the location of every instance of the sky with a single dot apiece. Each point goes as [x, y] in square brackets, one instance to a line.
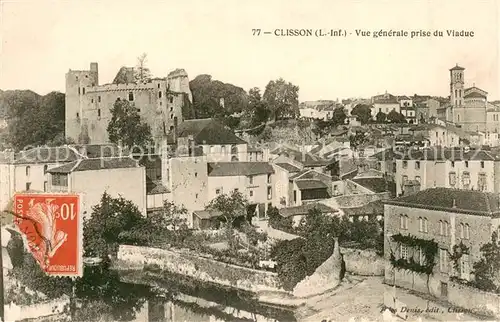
[41, 40]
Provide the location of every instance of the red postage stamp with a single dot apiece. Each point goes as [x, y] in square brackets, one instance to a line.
[52, 224]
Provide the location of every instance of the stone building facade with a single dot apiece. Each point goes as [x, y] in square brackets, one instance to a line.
[88, 104]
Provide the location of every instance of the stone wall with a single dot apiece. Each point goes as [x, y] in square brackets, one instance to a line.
[362, 262]
[200, 268]
[473, 299]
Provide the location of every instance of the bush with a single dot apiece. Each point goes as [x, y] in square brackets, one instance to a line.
[291, 262]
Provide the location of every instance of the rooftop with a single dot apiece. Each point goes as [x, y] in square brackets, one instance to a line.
[288, 167]
[456, 67]
[452, 200]
[376, 185]
[225, 169]
[207, 214]
[374, 207]
[96, 164]
[307, 159]
[306, 184]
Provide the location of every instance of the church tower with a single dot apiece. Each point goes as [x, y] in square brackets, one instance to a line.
[457, 86]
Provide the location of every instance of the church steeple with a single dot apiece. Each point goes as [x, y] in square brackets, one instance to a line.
[457, 86]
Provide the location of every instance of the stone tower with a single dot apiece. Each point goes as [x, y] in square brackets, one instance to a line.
[77, 83]
[457, 86]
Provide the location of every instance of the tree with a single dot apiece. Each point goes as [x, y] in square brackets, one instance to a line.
[215, 99]
[381, 117]
[142, 73]
[487, 269]
[363, 113]
[34, 120]
[231, 207]
[126, 126]
[395, 117]
[279, 222]
[257, 107]
[282, 98]
[338, 116]
[172, 219]
[111, 221]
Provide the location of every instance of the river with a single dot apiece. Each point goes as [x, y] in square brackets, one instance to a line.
[136, 296]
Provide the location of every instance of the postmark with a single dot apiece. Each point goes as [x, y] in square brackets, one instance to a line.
[52, 226]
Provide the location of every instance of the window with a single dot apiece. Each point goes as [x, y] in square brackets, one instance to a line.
[83, 90]
[421, 256]
[171, 127]
[405, 179]
[60, 180]
[403, 250]
[269, 178]
[91, 100]
[158, 85]
[98, 112]
[295, 196]
[462, 231]
[77, 115]
[466, 164]
[196, 174]
[441, 228]
[452, 164]
[45, 186]
[417, 165]
[99, 99]
[464, 267]
[45, 168]
[269, 193]
[28, 186]
[466, 180]
[250, 179]
[403, 221]
[446, 228]
[443, 260]
[467, 231]
[417, 179]
[426, 225]
[171, 99]
[481, 182]
[130, 96]
[217, 191]
[159, 94]
[236, 190]
[405, 164]
[251, 193]
[482, 164]
[28, 171]
[78, 90]
[453, 179]
[420, 224]
[171, 109]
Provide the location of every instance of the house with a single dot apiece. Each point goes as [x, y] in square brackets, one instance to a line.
[283, 172]
[440, 220]
[306, 159]
[385, 103]
[120, 176]
[407, 109]
[322, 109]
[27, 170]
[371, 210]
[194, 182]
[461, 168]
[217, 142]
[309, 186]
[297, 213]
[205, 219]
[385, 163]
